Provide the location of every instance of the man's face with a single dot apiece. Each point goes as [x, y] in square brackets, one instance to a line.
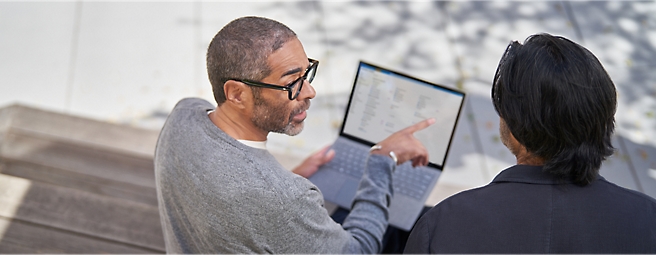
[272, 110]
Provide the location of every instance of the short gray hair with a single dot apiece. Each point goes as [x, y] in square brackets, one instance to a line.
[240, 51]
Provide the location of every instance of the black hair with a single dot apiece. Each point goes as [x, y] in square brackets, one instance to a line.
[240, 51]
[558, 102]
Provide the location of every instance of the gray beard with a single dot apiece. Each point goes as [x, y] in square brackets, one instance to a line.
[267, 117]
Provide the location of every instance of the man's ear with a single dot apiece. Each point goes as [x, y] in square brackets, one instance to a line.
[237, 93]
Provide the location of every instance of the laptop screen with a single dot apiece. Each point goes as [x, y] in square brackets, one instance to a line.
[384, 101]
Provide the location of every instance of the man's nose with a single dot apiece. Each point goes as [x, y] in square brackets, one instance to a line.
[307, 91]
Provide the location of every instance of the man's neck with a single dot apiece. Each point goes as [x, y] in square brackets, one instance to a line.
[235, 125]
[527, 158]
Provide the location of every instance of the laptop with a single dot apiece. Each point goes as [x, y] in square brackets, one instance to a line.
[382, 102]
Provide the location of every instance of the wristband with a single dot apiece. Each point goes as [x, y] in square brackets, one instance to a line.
[391, 153]
[393, 156]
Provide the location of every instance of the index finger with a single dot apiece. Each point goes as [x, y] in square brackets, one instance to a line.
[419, 125]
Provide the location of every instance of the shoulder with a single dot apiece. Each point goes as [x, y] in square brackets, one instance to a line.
[188, 109]
[459, 208]
[473, 196]
[625, 195]
[449, 220]
[192, 103]
[468, 200]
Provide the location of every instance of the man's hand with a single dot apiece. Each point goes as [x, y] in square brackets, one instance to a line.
[311, 164]
[405, 146]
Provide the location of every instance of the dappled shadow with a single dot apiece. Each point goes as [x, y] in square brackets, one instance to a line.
[641, 161]
[621, 34]
[459, 44]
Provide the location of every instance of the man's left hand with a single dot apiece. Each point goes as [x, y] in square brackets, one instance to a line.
[311, 164]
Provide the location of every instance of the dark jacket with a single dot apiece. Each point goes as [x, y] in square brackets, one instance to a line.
[525, 210]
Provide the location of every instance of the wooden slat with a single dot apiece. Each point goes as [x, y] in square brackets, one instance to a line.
[79, 181]
[118, 220]
[87, 132]
[25, 238]
[75, 166]
[79, 158]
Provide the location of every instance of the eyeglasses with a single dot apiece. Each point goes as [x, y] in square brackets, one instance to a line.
[294, 88]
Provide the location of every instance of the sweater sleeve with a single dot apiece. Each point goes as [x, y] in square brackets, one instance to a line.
[367, 220]
[307, 227]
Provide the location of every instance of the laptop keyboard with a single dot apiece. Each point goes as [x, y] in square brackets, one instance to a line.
[406, 180]
[353, 163]
[410, 181]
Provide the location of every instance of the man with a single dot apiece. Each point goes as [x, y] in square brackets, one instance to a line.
[556, 105]
[220, 191]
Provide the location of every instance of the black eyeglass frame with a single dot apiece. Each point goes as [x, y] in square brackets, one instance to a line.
[312, 68]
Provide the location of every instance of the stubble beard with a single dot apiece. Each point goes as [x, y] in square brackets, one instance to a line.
[274, 118]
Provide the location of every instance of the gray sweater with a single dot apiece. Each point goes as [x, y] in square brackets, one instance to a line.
[217, 195]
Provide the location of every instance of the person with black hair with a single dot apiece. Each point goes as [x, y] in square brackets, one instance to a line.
[556, 107]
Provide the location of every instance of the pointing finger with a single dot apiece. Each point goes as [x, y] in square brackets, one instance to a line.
[419, 125]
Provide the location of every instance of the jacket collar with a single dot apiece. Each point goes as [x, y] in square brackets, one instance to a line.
[530, 174]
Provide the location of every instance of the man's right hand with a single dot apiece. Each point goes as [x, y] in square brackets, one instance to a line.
[405, 146]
